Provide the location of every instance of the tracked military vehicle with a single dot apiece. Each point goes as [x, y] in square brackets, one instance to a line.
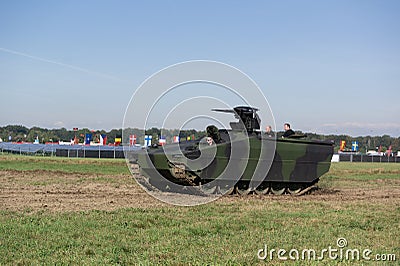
[240, 160]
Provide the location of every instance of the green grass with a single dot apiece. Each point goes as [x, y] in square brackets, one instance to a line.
[363, 175]
[68, 165]
[228, 231]
[365, 170]
[215, 233]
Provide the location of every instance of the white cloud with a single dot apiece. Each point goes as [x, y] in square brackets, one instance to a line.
[362, 128]
[59, 124]
[363, 125]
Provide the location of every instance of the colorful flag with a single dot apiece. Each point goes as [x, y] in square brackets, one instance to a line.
[147, 140]
[342, 145]
[191, 137]
[162, 141]
[389, 151]
[88, 138]
[176, 139]
[354, 146]
[118, 140]
[103, 139]
[132, 140]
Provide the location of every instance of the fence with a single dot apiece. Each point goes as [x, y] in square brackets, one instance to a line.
[90, 153]
[81, 151]
[74, 151]
[368, 158]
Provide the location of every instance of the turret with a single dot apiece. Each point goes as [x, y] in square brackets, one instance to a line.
[248, 118]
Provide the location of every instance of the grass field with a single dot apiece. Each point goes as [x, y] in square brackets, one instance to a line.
[88, 211]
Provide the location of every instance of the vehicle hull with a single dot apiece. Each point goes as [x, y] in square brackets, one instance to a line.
[294, 162]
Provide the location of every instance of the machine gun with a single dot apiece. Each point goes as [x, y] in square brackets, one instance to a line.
[248, 118]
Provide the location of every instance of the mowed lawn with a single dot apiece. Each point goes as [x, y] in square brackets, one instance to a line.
[230, 230]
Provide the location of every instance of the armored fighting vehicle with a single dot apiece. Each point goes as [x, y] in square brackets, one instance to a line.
[240, 160]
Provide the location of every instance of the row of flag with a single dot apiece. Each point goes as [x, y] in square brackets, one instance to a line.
[161, 140]
[354, 145]
[102, 137]
[118, 139]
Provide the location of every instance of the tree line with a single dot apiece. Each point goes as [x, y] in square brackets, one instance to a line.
[19, 133]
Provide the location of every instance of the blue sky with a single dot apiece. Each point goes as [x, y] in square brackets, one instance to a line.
[324, 66]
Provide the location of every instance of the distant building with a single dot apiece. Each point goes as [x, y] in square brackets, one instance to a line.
[374, 153]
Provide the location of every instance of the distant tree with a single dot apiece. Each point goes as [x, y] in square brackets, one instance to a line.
[22, 133]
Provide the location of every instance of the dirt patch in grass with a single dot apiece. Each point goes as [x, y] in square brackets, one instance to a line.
[57, 191]
[60, 191]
